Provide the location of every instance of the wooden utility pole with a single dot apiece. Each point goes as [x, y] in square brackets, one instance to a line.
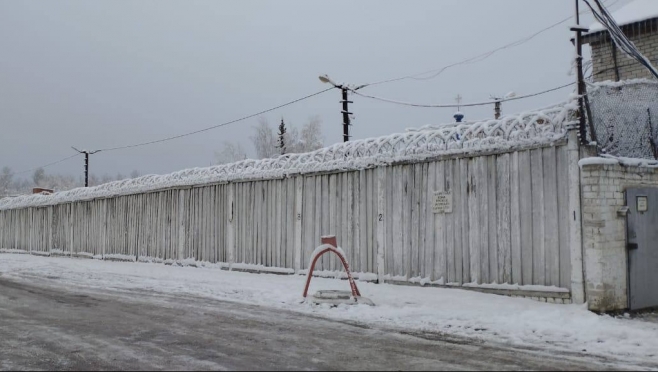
[345, 111]
[346, 115]
[652, 140]
[581, 80]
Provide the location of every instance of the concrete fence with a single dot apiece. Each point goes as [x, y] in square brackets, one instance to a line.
[507, 222]
[491, 206]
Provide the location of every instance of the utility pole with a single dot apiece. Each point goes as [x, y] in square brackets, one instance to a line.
[346, 115]
[581, 80]
[498, 103]
[345, 111]
[87, 153]
[652, 140]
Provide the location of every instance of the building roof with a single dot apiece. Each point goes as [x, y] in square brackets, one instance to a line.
[633, 12]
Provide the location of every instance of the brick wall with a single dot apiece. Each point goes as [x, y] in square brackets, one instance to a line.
[646, 40]
[604, 232]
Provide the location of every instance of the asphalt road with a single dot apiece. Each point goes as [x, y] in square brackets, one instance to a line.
[44, 327]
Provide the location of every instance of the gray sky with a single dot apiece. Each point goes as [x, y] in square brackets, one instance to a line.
[96, 74]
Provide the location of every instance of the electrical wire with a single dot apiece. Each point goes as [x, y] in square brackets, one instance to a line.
[215, 126]
[475, 59]
[476, 103]
[47, 165]
[291, 102]
[619, 37]
[604, 18]
[178, 136]
[461, 104]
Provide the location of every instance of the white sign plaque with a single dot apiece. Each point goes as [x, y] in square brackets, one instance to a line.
[642, 204]
[442, 202]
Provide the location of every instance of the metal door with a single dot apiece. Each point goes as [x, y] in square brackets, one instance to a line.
[642, 247]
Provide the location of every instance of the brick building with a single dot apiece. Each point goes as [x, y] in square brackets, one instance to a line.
[639, 21]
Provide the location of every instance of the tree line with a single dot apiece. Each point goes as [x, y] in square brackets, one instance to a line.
[11, 185]
[267, 140]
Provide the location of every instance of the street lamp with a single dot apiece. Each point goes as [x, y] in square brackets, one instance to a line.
[325, 79]
[345, 111]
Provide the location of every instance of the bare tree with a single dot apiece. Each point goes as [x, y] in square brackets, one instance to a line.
[230, 152]
[106, 178]
[6, 179]
[38, 177]
[59, 182]
[264, 140]
[268, 143]
[94, 180]
[311, 135]
[21, 186]
[292, 140]
[135, 173]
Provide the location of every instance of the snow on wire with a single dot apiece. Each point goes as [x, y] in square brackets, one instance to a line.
[530, 128]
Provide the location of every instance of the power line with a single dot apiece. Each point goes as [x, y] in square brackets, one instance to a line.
[461, 104]
[216, 126]
[475, 59]
[619, 37]
[476, 103]
[178, 136]
[87, 153]
[417, 76]
[48, 165]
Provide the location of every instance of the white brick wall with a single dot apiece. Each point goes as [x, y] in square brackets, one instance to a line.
[646, 40]
[604, 232]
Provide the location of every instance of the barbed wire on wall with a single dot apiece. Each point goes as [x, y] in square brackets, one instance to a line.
[624, 117]
[513, 131]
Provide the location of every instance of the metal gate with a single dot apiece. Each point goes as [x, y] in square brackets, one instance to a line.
[642, 247]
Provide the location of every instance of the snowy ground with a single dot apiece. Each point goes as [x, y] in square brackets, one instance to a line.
[519, 322]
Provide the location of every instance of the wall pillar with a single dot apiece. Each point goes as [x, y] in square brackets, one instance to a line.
[299, 193]
[380, 220]
[230, 233]
[181, 224]
[575, 225]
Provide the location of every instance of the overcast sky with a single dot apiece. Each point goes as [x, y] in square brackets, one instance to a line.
[97, 74]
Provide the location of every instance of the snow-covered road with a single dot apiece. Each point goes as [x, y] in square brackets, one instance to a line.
[564, 333]
[85, 329]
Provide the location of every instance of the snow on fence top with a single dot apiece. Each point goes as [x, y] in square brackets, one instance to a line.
[530, 128]
[618, 160]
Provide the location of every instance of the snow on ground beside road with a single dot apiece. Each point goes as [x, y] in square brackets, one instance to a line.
[451, 311]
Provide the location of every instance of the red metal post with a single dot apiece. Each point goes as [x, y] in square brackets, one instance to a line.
[331, 242]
